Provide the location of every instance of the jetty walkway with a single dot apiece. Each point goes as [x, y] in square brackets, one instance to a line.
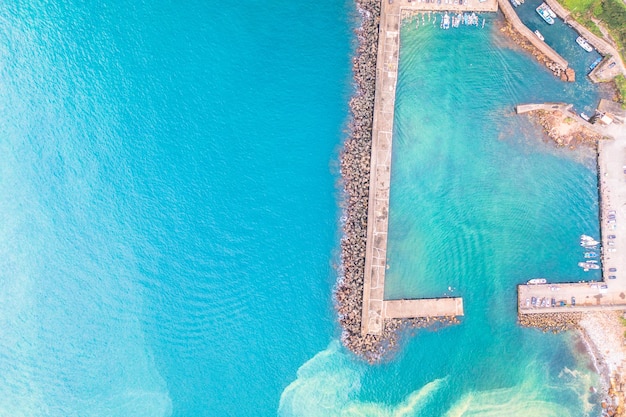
[375, 309]
[610, 293]
[513, 18]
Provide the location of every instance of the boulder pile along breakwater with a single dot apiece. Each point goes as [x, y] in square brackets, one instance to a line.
[356, 176]
[355, 168]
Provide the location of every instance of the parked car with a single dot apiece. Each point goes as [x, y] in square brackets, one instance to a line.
[612, 277]
[612, 269]
[573, 301]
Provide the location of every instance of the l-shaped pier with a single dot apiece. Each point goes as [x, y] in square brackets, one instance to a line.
[610, 293]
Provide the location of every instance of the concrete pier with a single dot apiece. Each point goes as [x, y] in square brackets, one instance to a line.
[511, 15]
[610, 293]
[525, 108]
[602, 46]
[375, 309]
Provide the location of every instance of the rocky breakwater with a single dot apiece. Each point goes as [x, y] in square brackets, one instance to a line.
[552, 322]
[565, 128]
[565, 74]
[355, 175]
[355, 168]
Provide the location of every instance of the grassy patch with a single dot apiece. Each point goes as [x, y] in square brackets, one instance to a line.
[611, 12]
[620, 83]
[579, 6]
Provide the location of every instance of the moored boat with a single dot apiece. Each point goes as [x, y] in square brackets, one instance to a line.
[595, 63]
[588, 265]
[584, 44]
[588, 241]
[591, 255]
[537, 281]
[539, 35]
[545, 14]
[445, 23]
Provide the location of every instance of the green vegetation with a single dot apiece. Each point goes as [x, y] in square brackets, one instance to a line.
[611, 12]
[620, 83]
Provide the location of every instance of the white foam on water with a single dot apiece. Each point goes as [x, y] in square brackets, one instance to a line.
[329, 384]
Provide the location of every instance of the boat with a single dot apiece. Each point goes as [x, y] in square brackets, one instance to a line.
[537, 281]
[595, 63]
[591, 255]
[584, 116]
[588, 241]
[545, 14]
[539, 35]
[584, 44]
[588, 265]
[445, 23]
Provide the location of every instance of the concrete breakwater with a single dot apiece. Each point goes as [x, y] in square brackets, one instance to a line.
[356, 176]
[355, 168]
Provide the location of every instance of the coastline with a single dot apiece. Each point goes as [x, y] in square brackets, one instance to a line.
[603, 335]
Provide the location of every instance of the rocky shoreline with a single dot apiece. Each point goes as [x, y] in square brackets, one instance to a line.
[602, 335]
[565, 129]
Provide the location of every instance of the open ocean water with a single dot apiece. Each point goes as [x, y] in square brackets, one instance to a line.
[169, 216]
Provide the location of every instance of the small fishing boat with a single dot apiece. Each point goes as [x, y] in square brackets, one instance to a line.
[445, 24]
[588, 265]
[588, 241]
[545, 14]
[584, 116]
[539, 35]
[537, 281]
[591, 255]
[589, 244]
[595, 63]
[584, 44]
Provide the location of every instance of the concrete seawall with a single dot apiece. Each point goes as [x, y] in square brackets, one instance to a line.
[375, 309]
[511, 16]
[610, 293]
[600, 44]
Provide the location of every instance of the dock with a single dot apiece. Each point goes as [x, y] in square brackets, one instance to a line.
[511, 15]
[375, 309]
[601, 45]
[610, 293]
[525, 108]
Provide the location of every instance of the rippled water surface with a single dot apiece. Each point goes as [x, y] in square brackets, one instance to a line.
[169, 216]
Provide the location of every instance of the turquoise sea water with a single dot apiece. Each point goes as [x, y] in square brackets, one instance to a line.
[170, 220]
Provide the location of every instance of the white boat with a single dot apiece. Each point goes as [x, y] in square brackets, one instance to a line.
[545, 14]
[584, 116]
[589, 244]
[445, 24]
[588, 265]
[584, 44]
[537, 281]
[539, 35]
